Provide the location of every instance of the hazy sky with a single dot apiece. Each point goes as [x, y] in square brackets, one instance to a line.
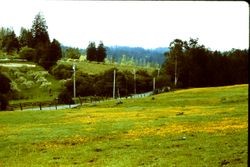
[219, 25]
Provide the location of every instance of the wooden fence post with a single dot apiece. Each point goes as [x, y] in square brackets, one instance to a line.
[80, 100]
[56, 102]
[21, 107]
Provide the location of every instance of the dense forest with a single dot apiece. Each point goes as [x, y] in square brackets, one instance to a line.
[189, 64]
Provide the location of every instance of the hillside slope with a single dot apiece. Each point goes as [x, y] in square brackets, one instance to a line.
[193, 127]
[30, 81]
[97, 68]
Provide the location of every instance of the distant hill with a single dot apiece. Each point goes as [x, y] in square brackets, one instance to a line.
[139, 54]
[94, 68]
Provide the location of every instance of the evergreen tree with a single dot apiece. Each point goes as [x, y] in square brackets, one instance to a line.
[54, 54]
[47, 53]
[91, 52]
[8, 40]
[25, 38]
[3, 33]
[39, 31]
[101, 53]
[40, 39]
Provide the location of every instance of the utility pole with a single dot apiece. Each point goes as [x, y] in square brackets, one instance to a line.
[175, 71]
[154, 84]
[134, 82]
[74, 79]
[114, 86]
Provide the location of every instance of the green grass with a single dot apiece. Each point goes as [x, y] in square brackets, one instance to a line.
[193, 127]
[97, 68]
[34, 93]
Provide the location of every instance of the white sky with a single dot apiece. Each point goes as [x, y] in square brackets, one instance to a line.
[219, 25]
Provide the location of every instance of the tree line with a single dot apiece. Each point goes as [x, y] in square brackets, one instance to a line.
[101, 85]
[119, 54]
[33, 44]
[94, 53]
[136, 55]
[189, 64]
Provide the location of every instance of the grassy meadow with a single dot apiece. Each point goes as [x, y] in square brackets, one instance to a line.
[192, 127]
[97, 68]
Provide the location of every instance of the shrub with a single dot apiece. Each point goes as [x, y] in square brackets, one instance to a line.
[14, 86]
[3, 102]
[28, 84]
[41, 80]
[62, 71]
[27, 53]
[21, 79]
[4, 89]
[17, 74]
[45, 85]
[65, 97]
[82, 58]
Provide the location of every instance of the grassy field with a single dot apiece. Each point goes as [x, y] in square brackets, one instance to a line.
[96, 68]
[193, 127]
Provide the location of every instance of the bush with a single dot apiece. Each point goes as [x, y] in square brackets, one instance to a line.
[45, 85]
[65, 97]
[14, 86]
[3, 102]
[27, 53]
[37, 74]
[4, 90]
[41, 80]
[62, 71]
[5, 84]
[28, 84]
[72, 53]
[17, 74]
